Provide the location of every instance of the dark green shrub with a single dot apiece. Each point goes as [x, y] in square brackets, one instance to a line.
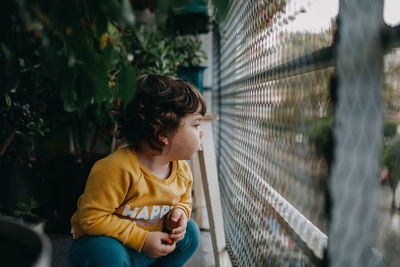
[391, 160]
[320, 136]
[389, 129]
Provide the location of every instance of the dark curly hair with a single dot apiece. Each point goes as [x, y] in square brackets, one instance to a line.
[157, 109]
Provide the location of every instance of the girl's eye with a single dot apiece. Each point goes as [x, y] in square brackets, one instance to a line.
[197, 125]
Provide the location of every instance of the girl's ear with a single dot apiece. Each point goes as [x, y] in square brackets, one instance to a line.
[162, 137]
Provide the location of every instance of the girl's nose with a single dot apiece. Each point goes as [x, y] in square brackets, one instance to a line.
[201, 133]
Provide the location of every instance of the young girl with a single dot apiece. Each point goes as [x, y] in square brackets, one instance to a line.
[135, 210]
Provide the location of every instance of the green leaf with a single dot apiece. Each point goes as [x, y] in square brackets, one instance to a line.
[8, 101]
[127, 13]
[127, 85]
[69, 106]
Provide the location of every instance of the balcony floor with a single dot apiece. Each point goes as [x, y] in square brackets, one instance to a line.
[202, 258]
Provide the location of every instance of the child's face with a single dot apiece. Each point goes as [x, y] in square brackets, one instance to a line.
[186, 142]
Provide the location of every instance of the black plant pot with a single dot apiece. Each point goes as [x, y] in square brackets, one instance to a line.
[21, 245]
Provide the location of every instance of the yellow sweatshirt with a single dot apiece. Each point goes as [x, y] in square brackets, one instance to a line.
[124, 200]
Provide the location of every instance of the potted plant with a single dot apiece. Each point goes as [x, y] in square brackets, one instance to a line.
[23, 106]
[20, 239]
[66, 65]
[190, 56]
[55, 96]
[163, 52]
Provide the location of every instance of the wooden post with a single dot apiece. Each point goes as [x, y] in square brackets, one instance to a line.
[209, 175]
[199, 202]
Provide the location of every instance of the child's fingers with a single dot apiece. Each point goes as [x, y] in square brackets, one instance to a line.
[178, 215]
[167, 239]
[179, 229]
[178, 237]
[168, 248]
[168, 245]
[182, 219]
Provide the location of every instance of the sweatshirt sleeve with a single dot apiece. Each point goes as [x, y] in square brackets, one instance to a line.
[186, 200]
[185, 203]
[105, 191]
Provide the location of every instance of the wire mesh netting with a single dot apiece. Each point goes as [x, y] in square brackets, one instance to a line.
[276, 91]
[388, 228]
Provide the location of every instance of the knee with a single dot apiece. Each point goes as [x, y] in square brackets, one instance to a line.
[193, 234]
[98, 251]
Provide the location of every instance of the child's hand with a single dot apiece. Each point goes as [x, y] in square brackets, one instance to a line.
[178, 224]
[158, 244]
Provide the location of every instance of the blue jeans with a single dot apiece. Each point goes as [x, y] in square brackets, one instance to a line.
[106, 251]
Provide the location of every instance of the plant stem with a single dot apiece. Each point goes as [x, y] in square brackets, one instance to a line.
[93, 141]
[114, 139]
[8, 140]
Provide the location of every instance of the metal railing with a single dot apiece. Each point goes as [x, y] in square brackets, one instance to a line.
[285, 95]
